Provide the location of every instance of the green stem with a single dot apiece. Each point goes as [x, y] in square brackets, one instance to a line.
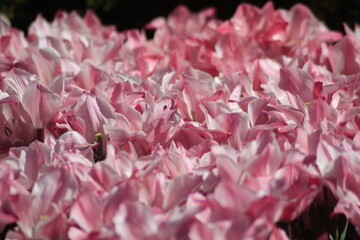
[336, 225]
[331, 225]
[99, 151]
[289, 227]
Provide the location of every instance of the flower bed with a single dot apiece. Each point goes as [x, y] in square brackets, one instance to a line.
[239, 129]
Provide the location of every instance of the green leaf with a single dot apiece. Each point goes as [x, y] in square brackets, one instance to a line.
[343, 234]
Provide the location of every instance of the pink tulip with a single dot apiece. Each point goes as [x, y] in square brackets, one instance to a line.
[36, 94]
[212, 129]
[17, 128]
[134, 221]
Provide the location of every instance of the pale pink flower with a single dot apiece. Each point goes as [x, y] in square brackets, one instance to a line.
[210, 130]
[36, 94]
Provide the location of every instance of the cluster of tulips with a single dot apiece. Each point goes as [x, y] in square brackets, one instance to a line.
[247, 128]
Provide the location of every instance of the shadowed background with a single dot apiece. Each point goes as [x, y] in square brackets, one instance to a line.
[127, 14]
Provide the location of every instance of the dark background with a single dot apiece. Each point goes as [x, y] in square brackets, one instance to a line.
[127, 14]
